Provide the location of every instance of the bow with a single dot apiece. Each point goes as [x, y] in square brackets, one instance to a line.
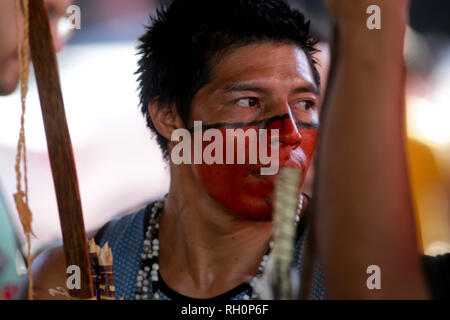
[59, 147]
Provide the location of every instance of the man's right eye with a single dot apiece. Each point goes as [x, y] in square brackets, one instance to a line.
[248, 102]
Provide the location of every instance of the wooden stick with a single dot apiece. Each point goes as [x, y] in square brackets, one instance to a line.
[106, 274]
[59, 147]
[93, 258]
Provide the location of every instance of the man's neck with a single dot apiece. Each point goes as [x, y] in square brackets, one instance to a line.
[204, 249]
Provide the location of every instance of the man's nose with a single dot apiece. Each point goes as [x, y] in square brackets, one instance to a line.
[288, 131]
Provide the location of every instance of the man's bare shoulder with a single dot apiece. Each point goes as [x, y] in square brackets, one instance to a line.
[49, 272]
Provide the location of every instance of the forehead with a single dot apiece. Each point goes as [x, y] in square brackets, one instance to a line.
[273, 63]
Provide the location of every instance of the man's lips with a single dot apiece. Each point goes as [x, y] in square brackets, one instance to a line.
[268, 179]
[256, 170]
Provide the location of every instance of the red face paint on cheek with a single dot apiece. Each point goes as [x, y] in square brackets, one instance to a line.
[241, 188]
[308, 144]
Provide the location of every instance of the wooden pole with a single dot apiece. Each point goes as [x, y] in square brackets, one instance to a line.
[59, 147]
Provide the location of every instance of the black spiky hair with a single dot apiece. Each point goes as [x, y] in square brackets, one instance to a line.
[179, 47]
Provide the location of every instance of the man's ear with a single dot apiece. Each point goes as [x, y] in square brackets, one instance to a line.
[165, 118]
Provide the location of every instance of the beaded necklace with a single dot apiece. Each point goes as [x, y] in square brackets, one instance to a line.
[147, 280]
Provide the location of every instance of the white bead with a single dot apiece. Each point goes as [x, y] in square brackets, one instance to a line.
[156, 295]
[246, 297]
[155, 266]
[154, 278]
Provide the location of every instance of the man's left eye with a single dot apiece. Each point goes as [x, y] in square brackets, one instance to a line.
[248, 102]
[305, 104]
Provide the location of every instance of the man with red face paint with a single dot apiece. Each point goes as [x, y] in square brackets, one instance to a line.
[231, 64]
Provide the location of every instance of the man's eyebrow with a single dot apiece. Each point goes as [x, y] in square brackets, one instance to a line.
[309, 88]
[242, 86]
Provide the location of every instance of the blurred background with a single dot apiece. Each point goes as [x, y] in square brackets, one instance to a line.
[120, 167]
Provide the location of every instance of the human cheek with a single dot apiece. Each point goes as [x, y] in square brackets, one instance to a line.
[309, 143]
[235, 186]
[8, 40]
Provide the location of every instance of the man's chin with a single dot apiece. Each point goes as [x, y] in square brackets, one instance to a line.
[260, 210]
[9, 77]
[6, 90]
[8, 86]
